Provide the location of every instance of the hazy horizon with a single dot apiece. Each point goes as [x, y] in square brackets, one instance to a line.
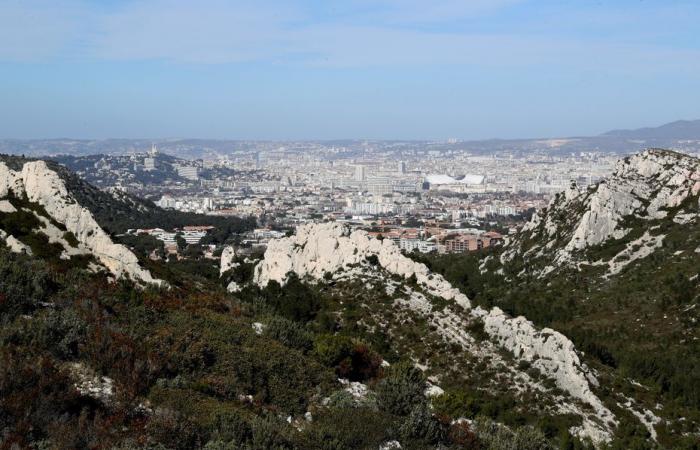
[331, 139]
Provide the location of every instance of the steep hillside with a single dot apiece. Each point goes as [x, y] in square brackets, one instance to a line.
[614, 267]
[40, 215]
[340, 364]
[649, 198]
[539, 362]
[48, 211]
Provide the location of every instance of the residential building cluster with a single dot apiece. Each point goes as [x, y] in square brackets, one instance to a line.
[461, 193]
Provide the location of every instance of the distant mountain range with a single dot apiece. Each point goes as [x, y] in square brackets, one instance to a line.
[680, 129]
[674, 135]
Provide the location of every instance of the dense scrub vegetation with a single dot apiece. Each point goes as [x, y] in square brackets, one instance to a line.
[641, 325]
[195, 367]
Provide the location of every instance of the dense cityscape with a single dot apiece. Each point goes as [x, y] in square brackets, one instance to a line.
[427, 200]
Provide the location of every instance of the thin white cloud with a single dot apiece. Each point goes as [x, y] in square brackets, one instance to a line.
[356, 46]
[219, 31]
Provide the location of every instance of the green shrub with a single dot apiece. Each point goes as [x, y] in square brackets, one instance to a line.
[351, 359]
[267, 436]
[24, 283]
[356, 428]
[71, 239]
[331, 349]
[402, 389]
[420, 424]
[458, 404]
[499, 437]
[242, 273]
[62, 331]
[295, 301]
[289, 333]
[231, 429]
[476, 330]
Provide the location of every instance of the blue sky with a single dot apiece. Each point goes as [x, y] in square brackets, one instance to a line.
[308, 69]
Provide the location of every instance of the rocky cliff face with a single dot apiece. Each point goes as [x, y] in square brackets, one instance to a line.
[41, 185]
[645, 189]
[330, 250]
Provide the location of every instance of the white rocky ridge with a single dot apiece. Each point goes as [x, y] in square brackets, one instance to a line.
[318, 249]
[42, 185]
[315, 250]
[644, 187]
[554, 355]
[227, 262]
[55, 235]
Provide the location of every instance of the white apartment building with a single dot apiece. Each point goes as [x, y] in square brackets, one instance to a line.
[189, 172]
[409, 245]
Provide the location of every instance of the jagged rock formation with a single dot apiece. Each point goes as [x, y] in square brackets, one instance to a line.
[39, 184]
[14, 244]
[645, 188]
[315, 250]
[553, 354]
[320, 249]
[228, 256]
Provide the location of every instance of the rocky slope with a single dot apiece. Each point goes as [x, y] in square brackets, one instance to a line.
[61, 216]
[331, 252]
[623, 213]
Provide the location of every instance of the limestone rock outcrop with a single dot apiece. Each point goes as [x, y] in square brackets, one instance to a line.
[550, 352]
[14, 244]
[317, 249]
[89, 384]
[227, 262]
[45, 187]
[652, 185]
[330, 248]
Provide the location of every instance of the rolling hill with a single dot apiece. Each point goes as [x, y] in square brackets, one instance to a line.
[680, 129]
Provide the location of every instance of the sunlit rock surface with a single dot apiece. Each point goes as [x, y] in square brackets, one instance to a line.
[228, 256]
[42, 185]
[330, 248]
[317, 249]
[652, 185]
